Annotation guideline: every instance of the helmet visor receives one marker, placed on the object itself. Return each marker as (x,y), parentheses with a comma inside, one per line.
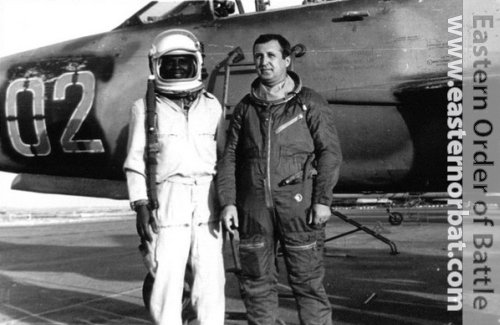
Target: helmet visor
(175,67)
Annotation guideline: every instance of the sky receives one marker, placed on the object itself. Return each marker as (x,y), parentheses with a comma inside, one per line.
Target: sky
(29,24)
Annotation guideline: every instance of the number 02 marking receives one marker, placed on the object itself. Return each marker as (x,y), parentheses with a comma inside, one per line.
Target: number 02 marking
(84,79)
(37,88)
(87,81)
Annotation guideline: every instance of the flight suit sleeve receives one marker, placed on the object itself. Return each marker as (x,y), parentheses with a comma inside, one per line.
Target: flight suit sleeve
(226,168)
(135,167)
(221,134)
(326,148)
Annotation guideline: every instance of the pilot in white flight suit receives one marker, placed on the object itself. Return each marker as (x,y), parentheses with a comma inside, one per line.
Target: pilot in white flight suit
(187,229)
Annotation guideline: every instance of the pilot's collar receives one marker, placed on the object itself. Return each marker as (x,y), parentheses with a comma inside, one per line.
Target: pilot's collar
(276,92)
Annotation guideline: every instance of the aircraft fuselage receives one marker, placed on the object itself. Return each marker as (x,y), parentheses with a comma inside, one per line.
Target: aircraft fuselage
(381,65)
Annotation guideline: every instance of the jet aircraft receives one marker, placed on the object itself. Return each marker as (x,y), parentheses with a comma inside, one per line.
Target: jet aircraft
(381,65)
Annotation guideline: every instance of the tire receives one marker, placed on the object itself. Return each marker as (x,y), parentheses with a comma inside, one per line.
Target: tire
(395,218)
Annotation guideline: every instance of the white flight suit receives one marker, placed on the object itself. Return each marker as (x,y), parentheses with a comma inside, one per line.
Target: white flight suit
(189,226)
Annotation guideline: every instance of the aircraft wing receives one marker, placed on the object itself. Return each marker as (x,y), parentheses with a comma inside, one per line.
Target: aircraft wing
(90,187)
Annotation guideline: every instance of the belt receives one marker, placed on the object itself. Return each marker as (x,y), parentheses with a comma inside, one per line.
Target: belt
(190,180)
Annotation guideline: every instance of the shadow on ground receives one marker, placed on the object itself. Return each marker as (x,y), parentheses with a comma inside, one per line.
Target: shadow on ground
(92,274)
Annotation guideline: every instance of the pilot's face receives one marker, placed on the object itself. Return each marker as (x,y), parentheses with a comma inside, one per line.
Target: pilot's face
(177,67)
(270,64)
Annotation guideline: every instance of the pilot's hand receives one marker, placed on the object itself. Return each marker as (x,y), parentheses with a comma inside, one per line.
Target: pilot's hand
(319,214)
(143,221)
(229,218)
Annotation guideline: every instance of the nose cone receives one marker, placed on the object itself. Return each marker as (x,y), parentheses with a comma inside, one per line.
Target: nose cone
(6,164)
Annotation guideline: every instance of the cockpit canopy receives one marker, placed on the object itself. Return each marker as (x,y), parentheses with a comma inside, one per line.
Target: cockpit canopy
(157,11)
(189,10)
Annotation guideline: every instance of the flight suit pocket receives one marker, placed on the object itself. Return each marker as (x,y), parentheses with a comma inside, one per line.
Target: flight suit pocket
(171,138)
(205,141)
(289,123)
(294,136)
(253,257)
(302,251)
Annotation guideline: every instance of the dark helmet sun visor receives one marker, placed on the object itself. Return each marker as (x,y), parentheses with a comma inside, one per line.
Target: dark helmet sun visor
(180,66)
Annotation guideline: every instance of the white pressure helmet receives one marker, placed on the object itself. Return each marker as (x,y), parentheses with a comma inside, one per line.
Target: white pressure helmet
(176,42)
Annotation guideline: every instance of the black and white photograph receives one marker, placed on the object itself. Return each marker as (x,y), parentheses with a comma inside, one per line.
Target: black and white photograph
(260,162)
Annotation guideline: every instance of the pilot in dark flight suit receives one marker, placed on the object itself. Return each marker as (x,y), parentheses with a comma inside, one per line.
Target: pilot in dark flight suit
(276,133)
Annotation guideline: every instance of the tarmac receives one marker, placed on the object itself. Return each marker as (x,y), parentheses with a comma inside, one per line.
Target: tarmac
(83,267)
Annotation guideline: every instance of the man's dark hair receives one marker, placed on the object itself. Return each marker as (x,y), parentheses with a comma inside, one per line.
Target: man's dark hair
(285,45)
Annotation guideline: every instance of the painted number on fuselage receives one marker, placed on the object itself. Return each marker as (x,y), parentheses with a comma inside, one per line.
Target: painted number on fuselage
(87,81)
(84,79)
(37,89)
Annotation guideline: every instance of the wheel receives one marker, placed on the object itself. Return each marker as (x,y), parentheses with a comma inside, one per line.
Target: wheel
(395,218)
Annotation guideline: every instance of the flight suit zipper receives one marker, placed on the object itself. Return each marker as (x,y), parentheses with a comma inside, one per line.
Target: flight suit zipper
(252,246)
(301,248)
(269,198)
(289,123)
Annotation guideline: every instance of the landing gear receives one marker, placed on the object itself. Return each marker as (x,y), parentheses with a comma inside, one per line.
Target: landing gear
(395,218)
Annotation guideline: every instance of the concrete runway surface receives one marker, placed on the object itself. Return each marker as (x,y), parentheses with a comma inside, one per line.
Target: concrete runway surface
(89,271)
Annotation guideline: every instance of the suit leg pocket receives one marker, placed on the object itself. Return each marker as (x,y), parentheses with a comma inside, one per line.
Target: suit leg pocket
(302,251)
(254,257)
